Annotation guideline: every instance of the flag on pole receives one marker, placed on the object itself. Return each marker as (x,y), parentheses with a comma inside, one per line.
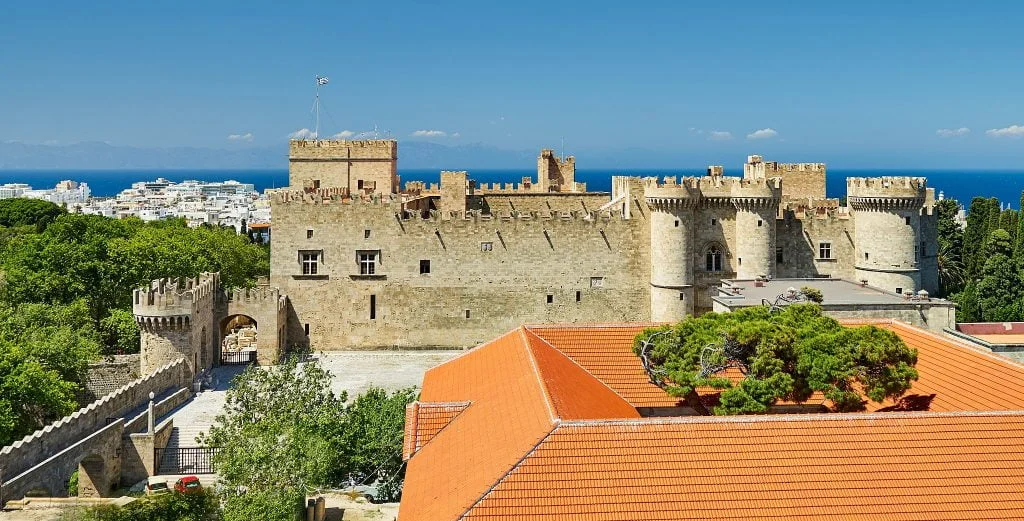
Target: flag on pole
(320,80)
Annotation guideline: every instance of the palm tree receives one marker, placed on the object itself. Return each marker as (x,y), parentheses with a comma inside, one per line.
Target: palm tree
(951,270)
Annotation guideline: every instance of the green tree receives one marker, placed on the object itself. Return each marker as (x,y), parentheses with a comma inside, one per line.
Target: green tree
(374,427)
(788,355)
(1000,288)
(968,303)
(1018,247)
(269,505)
(196,506)
(28,212)
(120,332)
(982,218)
(44,355)
(950,242)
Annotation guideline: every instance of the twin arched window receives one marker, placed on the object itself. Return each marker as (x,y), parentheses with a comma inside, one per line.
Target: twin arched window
(713,259)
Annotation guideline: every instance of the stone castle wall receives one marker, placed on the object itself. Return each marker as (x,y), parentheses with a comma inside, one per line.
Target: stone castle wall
(36,447)
(487,274)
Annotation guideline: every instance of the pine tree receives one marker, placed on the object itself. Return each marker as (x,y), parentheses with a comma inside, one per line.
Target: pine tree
(1018,247)
(979,219)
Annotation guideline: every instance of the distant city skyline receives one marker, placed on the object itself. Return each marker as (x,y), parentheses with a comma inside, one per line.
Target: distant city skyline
(871,84)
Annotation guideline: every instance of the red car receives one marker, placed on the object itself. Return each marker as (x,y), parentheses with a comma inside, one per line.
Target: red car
(188,485)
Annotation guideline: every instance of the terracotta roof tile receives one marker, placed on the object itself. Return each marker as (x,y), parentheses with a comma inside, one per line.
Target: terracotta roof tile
(516,450)
(879,466)
(606,352)
(423,420)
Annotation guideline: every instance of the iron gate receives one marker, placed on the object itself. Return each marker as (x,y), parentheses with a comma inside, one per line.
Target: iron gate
(186,460)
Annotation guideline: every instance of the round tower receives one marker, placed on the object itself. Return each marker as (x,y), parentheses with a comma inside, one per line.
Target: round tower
(887,223)
(672,207)
(164,314)
(757,203)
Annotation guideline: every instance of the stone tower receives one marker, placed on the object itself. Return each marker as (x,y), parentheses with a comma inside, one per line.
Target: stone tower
(361,166)
(757,203)
(176,320)
(555,174)
(672,206)
(887,222)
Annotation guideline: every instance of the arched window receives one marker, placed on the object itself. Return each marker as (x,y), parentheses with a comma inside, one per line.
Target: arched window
(713,259)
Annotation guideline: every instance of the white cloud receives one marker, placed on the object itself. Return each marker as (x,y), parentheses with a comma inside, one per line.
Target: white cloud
(241,137)
(344,134)
(719,135)
(456,134)
(953,132)
(429,133)
(1010,131)
(302,133)
(764,133)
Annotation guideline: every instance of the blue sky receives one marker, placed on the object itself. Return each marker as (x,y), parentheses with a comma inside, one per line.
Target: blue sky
(860,84)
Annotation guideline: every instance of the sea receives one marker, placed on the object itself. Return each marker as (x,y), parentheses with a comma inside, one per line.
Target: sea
(962,185)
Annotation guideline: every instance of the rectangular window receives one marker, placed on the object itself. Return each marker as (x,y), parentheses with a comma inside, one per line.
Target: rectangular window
(424,267)
(359,184)
(486,246)
(778,255)
(923,249)
(907,220)
(578,295)
(310,261)
(316,184)
(759,223)
(824,250)
(596,282)
(309,234)
(305,328)
(367,262)
(682,296)
(551,298)
(865,255)
(713,221)
(366,234)
(899,291)
(467,313)
(373,307)
(677,223)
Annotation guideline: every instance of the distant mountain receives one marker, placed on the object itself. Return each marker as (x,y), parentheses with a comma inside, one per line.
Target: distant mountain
(102,156)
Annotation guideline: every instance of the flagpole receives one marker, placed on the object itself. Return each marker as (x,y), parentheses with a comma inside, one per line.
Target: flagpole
(316,103)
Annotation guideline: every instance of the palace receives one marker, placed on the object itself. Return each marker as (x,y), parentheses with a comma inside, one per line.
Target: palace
(365,264)
(357,263)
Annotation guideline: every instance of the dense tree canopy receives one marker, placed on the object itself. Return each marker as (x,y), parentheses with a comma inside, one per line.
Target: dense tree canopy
(285,433)
(788,355)
(44,353)
(982,268)
(65,295)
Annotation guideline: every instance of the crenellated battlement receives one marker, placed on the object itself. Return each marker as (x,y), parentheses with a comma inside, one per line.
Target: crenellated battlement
(713,189)
(470,217)
(258,295)
(172,301)
(883,193)
(300,146)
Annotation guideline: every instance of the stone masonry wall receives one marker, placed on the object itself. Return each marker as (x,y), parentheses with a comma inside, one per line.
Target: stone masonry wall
(800,240)
(36,447)
(487,275)
(550,202)
(343,164)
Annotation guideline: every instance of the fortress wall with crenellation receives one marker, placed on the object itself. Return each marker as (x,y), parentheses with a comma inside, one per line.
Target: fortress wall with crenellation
(487,274)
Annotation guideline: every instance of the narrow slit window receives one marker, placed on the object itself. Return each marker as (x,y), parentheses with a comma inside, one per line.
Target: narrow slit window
(578,296)
(366,234)
(467,313)
(373,307)
(305,328)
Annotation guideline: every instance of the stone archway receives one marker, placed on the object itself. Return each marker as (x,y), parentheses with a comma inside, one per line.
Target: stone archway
(94,477)
(238,335)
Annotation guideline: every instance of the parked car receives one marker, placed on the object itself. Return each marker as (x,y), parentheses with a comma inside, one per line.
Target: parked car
(188,485)
(156,485)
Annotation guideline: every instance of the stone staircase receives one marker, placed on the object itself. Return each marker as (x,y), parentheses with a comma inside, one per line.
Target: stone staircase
(192,459)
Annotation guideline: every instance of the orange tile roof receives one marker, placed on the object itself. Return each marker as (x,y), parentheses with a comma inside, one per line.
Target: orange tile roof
(544,437)
(424,420)
(607,353)
(836,467)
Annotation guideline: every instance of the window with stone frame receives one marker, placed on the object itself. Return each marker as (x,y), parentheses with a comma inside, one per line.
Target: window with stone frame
(367,260)
(713,259)
(824,250)
(309,261)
